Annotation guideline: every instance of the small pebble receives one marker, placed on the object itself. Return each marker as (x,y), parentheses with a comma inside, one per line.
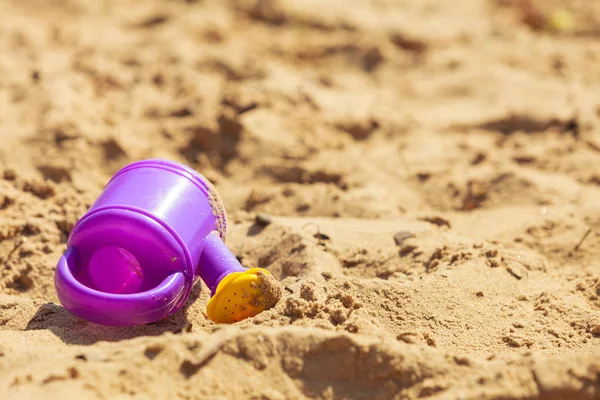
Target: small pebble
(263,220)
(327,275)
(10,175)
(401,236)
(321,236)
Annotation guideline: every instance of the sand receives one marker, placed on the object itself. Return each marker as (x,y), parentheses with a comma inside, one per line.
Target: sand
(429,169)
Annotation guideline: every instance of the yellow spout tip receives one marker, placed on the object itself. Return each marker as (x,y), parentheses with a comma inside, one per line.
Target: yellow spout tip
(241,295)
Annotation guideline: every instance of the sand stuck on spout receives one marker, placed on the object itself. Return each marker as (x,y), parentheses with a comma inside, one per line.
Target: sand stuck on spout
(270,292)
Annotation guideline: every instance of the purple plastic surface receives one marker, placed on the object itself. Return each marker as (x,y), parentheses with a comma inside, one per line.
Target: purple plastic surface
(220,259)
(132,258)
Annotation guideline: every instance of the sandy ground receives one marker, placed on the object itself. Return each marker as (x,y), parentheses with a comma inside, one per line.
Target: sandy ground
(430,167)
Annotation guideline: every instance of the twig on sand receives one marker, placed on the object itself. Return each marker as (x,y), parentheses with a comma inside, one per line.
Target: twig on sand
(585,235)
(321,237)
(190,367)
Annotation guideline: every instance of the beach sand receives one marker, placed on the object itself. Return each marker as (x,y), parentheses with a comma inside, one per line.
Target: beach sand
(430,169)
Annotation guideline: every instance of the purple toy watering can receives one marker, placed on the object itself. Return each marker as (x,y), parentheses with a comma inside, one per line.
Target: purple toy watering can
(133,257)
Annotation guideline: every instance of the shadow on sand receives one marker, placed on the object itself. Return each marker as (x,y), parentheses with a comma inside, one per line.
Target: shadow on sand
(73,330)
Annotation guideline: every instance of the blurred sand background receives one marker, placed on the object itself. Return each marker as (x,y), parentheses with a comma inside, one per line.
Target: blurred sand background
(429,168)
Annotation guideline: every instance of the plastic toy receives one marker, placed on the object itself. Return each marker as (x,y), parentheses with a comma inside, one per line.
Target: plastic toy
(133,257)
